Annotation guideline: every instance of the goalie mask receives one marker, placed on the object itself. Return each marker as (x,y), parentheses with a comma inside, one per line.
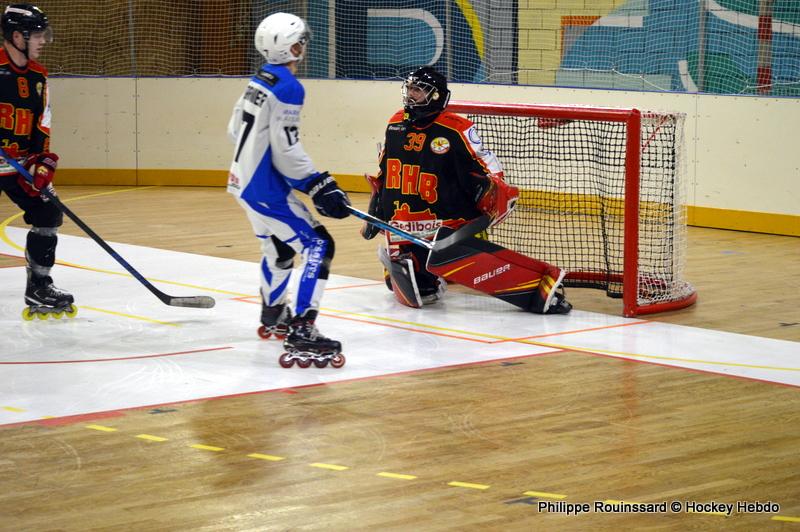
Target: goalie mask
(425,95)
(277,34)
(26,19)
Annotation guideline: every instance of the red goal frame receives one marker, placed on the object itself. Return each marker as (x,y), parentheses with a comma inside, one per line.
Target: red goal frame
(632,118)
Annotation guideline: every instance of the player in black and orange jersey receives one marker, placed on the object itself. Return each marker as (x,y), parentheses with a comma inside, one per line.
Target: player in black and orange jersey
(436,173)
(25,135)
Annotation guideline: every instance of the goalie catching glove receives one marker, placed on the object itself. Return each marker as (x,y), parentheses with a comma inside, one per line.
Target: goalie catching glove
(328,198)
(42,167)
(498,198)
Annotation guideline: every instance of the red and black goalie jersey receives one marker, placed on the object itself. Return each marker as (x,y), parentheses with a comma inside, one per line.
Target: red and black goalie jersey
(434,175)
(24,110)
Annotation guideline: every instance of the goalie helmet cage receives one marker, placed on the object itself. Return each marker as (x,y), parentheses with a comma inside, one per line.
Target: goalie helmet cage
(601,196)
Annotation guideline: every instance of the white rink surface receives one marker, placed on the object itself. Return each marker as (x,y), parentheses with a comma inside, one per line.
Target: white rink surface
(126,349)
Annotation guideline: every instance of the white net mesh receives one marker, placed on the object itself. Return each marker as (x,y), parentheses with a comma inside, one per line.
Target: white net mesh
(573,205)
(717,46)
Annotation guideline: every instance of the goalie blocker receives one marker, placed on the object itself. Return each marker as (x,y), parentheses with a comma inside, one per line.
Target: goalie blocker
(529,284)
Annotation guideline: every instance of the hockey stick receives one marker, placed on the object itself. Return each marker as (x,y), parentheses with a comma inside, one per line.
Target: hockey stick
(468,230)
(193,301)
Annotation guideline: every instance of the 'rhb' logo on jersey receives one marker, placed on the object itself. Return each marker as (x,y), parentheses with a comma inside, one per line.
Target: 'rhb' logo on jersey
(18,120)
(411,181)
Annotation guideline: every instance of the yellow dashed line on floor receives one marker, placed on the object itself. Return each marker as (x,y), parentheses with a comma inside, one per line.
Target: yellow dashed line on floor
(13,409)
(721,514)
(468,485)
(332,467)
(384,474)
(785,518)
(150,437)
(398,476)
(544,495)
(101,428)
(267,457)
(207,447)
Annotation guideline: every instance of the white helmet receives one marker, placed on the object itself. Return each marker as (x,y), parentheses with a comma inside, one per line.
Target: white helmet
(276,35)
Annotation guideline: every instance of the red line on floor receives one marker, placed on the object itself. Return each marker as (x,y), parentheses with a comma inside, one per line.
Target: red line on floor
(79,418)
(138,357)
(246,299)
(422,331)
(75,418)
(563,333)
(684,368)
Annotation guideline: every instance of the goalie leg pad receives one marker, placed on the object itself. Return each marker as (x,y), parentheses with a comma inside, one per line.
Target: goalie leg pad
(402,278)
(502,273)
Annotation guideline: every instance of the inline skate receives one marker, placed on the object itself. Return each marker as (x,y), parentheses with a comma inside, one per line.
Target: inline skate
(305,346)
(274,321)
(45,300)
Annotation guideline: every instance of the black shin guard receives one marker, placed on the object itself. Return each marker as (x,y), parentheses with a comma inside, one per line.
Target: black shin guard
(40,250)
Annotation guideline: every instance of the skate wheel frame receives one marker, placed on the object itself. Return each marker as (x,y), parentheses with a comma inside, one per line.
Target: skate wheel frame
(287,360)
(31,313)
(264,333)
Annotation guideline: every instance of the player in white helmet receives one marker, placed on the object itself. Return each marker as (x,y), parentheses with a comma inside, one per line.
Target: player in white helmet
(269,164)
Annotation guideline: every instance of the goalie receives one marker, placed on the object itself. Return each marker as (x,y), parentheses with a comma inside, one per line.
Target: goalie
(436,175)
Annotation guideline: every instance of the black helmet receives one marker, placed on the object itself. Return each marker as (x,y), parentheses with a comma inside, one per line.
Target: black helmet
(24,18)
(434,86)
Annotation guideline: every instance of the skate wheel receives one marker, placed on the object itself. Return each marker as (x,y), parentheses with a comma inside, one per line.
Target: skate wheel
(264,333)
(27,315)
(338,361)
(42,315)
(304,362)
(58,315)
(321,363)
(285,361)
(71,311)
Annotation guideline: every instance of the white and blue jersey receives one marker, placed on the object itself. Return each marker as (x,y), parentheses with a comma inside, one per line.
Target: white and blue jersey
(269,162)
(269,159)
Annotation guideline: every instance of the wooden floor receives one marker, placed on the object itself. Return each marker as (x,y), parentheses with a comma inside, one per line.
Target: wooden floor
(584,427)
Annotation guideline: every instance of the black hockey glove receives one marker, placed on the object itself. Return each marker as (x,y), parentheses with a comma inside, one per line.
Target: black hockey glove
(328,198)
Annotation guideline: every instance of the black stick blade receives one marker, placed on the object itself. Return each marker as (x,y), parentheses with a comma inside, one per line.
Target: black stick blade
(193,302)
(462,233)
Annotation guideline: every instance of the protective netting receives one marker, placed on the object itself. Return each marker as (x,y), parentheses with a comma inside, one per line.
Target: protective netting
(573,205)
(152,38)
(715,46)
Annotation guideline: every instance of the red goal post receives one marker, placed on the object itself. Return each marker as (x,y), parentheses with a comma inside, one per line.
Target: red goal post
(601,196)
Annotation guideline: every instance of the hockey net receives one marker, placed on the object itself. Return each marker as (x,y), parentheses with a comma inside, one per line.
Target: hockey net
(601,196)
